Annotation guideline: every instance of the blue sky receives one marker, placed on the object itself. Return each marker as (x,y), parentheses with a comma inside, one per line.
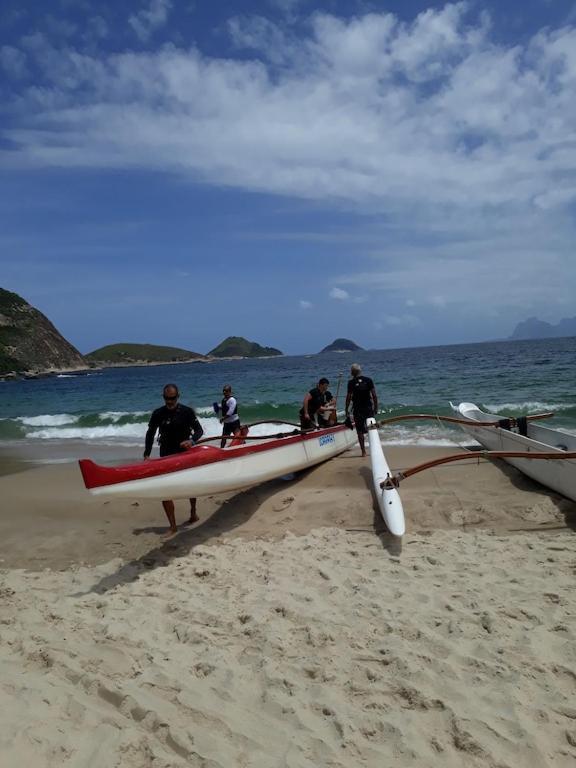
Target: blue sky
(398,173)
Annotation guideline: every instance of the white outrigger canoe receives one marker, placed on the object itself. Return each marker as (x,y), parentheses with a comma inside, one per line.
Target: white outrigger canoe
(205,469)
(389,501)
(558,472)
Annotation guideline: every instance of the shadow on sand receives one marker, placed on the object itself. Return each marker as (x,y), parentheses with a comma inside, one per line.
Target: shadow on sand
(232,513)
(566,507)
(392,544)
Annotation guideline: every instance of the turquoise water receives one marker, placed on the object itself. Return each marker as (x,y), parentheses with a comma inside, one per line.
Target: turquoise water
(112,406)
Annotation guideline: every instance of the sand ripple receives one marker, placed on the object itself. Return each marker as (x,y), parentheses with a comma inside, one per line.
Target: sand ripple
(321,650)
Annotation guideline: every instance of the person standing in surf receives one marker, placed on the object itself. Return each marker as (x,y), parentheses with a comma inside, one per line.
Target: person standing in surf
(362,396)
(178,429)
(230,420)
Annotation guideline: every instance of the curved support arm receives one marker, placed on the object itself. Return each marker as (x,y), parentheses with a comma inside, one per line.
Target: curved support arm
(394,480)
(455,420)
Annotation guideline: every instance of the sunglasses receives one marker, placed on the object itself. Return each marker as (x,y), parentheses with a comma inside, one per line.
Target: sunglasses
(170,398)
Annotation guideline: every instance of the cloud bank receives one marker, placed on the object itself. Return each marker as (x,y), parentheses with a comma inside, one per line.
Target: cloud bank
(369,111)
(464,147)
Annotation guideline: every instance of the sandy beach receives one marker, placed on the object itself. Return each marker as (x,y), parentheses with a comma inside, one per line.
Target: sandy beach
(286,628)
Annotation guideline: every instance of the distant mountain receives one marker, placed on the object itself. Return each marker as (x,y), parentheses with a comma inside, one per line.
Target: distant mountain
(132,354)
(29,343)
(342,345)
(539,329)
(236,346)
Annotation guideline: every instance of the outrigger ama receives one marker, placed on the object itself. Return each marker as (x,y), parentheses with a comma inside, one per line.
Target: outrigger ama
(543,454)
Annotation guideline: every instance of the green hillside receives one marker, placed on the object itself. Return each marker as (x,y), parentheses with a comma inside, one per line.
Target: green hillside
(29,342)
(236,346)
(129,354)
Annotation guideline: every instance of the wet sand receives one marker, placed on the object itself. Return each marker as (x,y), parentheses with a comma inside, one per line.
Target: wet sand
(48,519)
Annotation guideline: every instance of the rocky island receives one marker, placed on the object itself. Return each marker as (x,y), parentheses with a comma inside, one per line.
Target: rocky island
(141,354)
(236,346)
(29,342)
(533,328)
(342,345)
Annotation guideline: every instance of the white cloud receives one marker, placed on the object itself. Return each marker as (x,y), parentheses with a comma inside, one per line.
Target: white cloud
(340,294)
(149,19)
(465,144)
(396,321)
(305,304)
(97,27)
(13,61)
(286,6)
(371,112)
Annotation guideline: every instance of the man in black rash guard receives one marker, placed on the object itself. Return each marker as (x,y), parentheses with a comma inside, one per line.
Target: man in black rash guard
(362,395)
(314,404)
(179,429)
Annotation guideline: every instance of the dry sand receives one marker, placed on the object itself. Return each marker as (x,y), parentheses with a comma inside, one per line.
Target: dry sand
(282,630)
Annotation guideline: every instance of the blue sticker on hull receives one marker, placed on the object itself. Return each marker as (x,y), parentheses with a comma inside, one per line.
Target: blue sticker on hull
(326,440)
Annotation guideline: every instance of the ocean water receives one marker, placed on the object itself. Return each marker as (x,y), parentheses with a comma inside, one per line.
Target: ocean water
(111,407)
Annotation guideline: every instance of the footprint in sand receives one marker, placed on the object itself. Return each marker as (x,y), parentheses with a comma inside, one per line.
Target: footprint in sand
(284,504)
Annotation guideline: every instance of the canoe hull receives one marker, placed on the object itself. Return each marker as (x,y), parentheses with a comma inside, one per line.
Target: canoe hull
(206,470)
(389,501)
(558,475)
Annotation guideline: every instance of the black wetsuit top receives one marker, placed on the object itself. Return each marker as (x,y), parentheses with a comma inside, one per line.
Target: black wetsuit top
(314,404)
(360,388)
(175,425)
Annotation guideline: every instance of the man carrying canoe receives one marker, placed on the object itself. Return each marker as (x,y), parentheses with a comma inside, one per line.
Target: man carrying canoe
(362,396)
(179,429)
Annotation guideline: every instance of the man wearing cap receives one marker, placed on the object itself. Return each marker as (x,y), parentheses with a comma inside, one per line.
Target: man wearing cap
(362,396)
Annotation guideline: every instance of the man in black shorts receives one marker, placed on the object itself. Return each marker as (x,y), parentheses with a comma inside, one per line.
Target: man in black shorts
(362,395)
(179,429)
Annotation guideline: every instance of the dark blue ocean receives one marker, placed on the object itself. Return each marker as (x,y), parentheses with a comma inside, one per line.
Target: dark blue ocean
(112,406)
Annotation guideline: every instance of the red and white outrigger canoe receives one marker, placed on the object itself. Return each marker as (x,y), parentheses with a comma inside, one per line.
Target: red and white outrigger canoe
(205,469)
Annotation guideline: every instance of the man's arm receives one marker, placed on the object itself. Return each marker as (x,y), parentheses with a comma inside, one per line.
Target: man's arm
(307,399)
(196,430)
(149,440)
(374,400)
(196,427)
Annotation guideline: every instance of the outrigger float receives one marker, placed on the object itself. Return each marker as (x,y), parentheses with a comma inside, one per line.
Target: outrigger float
(543,454)
(387,496)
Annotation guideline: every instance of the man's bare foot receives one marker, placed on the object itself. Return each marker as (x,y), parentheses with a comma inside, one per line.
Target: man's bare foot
(169,533)
(192,519)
